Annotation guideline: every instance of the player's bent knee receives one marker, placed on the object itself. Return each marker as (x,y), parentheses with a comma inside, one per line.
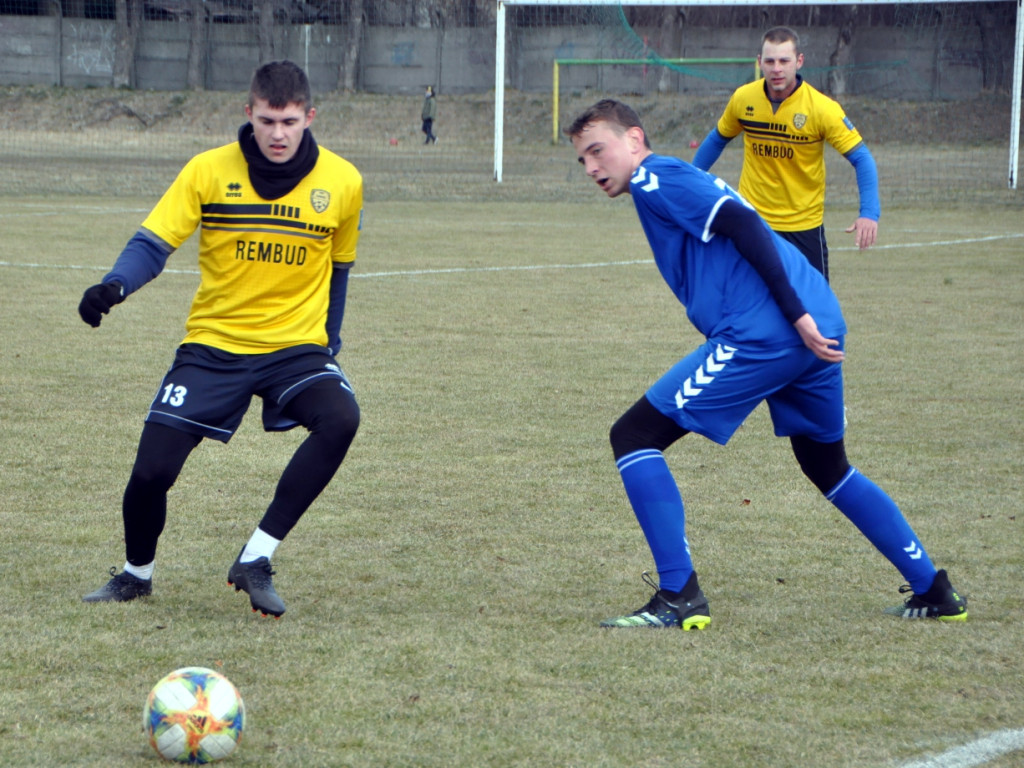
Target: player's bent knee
(824,464)
(338,425)
(332,415)
(643,426)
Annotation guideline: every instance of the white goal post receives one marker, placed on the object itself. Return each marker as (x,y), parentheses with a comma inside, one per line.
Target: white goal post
(500,70)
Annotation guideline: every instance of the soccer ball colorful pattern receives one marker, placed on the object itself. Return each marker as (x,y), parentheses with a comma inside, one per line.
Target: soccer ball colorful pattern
(194,715)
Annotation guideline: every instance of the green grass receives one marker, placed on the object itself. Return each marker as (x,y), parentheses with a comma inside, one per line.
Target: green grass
(444,592)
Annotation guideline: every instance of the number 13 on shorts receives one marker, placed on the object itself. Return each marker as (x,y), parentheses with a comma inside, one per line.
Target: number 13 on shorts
(174,395)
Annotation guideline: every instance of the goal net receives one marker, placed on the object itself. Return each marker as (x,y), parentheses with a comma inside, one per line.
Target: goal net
(934,88)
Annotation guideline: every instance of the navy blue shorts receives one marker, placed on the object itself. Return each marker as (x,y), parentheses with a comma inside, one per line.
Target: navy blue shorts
(811,243)
(207,390)
(712,390)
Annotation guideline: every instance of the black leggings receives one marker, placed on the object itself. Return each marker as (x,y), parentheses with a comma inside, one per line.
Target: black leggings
(328,411)
(644,426)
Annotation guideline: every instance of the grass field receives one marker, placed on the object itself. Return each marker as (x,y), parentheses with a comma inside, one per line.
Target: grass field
(443,594)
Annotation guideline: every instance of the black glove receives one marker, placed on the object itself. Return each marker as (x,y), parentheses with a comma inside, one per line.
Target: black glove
(97,301)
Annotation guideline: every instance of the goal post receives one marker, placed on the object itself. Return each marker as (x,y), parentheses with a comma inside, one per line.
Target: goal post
(559,63)
(1018,86)
(939,37)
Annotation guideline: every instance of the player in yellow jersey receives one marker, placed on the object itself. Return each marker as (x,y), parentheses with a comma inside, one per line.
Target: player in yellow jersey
(278,219)
(785,124)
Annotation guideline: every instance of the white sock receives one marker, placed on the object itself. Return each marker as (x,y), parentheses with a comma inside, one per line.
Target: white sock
(260,545)
(144,572)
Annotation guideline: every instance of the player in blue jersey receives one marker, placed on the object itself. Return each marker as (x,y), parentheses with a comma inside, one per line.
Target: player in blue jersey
(774,332)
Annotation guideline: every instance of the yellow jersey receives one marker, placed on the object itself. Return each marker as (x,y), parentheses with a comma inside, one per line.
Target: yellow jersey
(265,266)
(783,173)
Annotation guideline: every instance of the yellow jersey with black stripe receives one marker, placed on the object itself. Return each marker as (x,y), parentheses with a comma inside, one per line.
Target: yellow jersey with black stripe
(783,173)
(265,266)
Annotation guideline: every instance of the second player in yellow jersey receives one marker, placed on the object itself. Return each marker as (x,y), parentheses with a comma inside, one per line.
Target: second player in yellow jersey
(785,125)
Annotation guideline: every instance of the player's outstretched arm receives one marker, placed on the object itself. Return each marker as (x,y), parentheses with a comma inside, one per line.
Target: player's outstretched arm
(865,232)
(142,259)
(97,301)
(865,228)
(825,349)
(710,149)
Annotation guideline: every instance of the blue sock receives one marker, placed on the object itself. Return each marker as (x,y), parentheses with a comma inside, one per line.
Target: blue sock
(658,507)
(880,520)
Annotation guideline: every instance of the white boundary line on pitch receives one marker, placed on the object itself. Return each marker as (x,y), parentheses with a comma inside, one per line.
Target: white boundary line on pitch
(974,753)
(531,267)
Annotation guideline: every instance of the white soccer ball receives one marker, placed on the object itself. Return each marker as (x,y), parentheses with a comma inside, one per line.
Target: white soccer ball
(194,715)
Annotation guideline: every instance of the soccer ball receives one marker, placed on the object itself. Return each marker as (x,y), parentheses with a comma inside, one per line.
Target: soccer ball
(194,715)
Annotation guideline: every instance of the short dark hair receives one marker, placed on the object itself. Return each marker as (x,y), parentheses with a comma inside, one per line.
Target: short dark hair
(618,115)
(281,83)
(778,35)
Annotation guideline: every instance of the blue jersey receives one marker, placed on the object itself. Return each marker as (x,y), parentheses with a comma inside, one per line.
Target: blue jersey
(724,296)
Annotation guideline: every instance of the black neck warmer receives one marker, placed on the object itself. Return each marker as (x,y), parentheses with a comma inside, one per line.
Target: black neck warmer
(274,180)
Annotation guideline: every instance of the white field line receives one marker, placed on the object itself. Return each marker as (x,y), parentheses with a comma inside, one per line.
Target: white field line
(534,267)
(974,753)
(47,210)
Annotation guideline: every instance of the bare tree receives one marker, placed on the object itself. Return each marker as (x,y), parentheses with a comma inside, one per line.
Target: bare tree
(669,42)
(840,57)
(993,58)
(483,12)
(353,45)
(422,10)
(265,30)
(196,46)
(128,22)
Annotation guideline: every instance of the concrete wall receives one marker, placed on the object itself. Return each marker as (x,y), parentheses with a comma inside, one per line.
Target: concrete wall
(80,53)
(46,50)
(30,50)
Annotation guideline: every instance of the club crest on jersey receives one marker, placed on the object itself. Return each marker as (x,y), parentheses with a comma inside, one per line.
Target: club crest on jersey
(319,199)
(799,120)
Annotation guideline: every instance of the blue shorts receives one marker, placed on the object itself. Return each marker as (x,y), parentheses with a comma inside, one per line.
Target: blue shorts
(207,390)
(712,390)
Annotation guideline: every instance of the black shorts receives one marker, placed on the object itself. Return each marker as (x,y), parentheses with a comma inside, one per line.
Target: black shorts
(811,243)
(207,391)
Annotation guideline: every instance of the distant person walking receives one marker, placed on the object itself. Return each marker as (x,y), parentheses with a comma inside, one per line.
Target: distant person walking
(428,115)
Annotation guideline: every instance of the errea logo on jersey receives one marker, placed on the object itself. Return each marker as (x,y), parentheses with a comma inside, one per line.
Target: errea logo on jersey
(234,190)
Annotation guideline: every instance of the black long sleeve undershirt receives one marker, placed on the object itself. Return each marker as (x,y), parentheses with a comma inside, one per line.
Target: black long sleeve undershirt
(753,240)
